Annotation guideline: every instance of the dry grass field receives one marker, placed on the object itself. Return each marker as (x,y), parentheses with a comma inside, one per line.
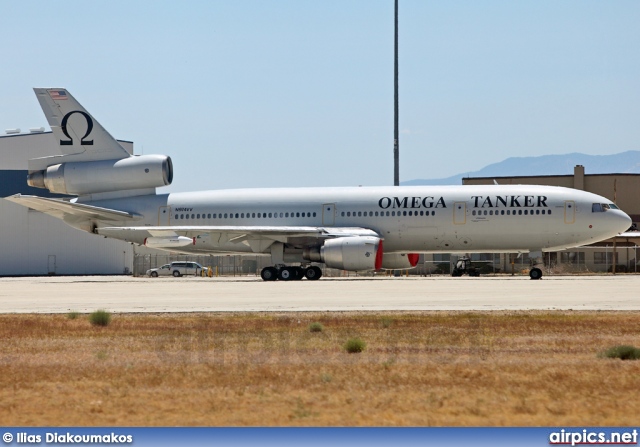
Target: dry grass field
(418,369)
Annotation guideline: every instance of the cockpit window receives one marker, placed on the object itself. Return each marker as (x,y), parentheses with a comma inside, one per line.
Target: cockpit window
(602,207)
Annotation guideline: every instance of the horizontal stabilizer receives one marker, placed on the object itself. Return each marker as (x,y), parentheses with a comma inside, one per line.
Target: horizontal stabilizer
(62,208)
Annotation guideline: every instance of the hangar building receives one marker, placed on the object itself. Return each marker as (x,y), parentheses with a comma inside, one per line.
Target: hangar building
(33,243)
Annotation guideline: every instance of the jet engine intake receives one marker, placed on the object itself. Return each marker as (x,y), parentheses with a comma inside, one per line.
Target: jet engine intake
(90,177)
(348,253)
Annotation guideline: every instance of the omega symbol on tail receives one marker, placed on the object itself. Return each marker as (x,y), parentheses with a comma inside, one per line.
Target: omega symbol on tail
(69,142)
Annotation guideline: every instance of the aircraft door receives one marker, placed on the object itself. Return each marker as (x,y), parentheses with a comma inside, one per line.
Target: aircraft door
(329,214)
(164,216)
(569,212)
(459,213)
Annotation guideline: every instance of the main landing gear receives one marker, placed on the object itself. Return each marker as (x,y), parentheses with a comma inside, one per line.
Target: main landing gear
(287,273)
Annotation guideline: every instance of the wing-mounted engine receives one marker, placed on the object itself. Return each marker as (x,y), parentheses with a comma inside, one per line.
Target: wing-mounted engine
(348,253)
(400,261)
(91,177)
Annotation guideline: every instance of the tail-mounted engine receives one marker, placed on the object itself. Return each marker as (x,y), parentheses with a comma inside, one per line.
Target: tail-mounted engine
(91,177)
(348,253)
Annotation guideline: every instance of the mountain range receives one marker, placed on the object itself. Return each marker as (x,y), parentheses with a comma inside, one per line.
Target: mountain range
(622,163)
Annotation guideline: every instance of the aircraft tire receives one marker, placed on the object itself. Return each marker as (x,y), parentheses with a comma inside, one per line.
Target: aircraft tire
(287,274)
(535,273)
(298,273)
(269,274)
(313,273)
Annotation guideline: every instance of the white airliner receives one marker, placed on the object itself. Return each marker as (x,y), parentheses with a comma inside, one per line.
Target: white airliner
(351,228)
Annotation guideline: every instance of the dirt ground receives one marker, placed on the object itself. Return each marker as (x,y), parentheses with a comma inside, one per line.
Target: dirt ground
(265,369)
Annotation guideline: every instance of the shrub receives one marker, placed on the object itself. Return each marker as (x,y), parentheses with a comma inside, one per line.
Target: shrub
(622,352)
(100,318)
(354,345)
(73,315)
(316,327)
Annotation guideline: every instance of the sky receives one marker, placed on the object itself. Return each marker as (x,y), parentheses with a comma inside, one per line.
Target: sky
(299,93)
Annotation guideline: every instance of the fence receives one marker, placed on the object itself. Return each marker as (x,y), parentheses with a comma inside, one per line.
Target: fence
(625,259)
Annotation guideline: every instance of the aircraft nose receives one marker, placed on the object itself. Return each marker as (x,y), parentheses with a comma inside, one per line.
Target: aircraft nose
(624,221)
(617,221)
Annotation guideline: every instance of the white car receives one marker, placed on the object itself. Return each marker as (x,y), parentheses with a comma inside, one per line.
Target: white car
(177,269)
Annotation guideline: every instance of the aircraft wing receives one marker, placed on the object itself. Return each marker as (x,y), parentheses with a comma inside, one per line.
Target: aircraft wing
(259,238)
(63,208)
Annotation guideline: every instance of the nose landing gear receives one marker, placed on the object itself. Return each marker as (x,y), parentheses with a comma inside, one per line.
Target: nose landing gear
(535,273)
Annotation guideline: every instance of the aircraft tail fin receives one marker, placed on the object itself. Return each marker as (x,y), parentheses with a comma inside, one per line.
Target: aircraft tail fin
(80,135)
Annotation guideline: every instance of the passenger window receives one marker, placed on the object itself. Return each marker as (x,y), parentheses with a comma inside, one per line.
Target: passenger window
(176,216)
(520,212)
(549,212)
(225,215)
(314,214)
(187,216)
(404,213)
(526,212)
(502,212)
(537,212)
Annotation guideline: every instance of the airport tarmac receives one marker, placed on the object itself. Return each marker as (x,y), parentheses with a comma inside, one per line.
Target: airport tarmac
(240,294)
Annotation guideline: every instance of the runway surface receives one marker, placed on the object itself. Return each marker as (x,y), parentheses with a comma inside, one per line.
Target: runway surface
(128,294)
